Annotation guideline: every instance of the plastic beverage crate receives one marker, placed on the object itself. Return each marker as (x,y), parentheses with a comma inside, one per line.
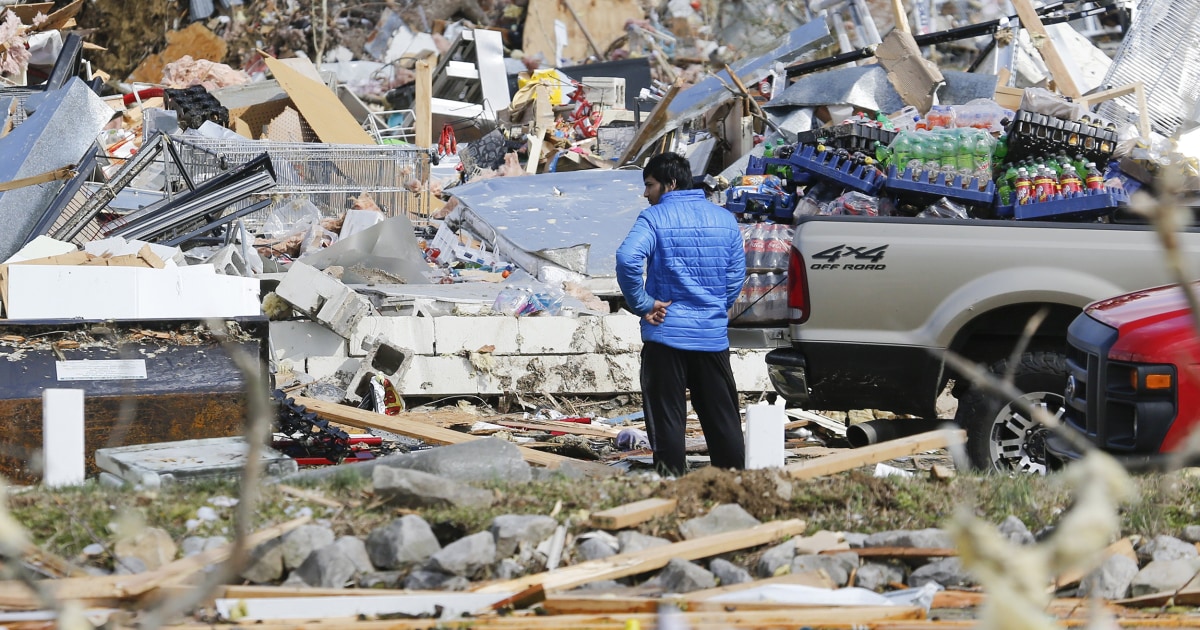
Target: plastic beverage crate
(826,164)
(1086,204)
(1032,134)
(940,184)
(850,136)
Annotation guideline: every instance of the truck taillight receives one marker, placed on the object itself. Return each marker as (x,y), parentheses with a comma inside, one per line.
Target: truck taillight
(797,289)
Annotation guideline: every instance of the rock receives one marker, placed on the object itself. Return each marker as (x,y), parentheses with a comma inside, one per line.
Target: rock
(632,541)
(405,542)
(508,569)
(599,585)
(425,580)
(773,559)
(327,567)
(456,583)
(1163,575)
(1110,580)
(356,550)
(565,470)
(876,576)
(837,566)
(294,581)
(1166,548)
(152,545)
(478,460)
(1191,533)
(948,572)
(193,545)
(381,579)
(302,541)
(415,489)
(931,538)
(594,548)
(509,530)
(681,576)
(726,517)
(855,539)
(728,573)
(266,563)
(467,556)
(1015,531)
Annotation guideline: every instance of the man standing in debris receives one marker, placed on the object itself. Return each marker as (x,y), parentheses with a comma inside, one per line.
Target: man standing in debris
(691,253)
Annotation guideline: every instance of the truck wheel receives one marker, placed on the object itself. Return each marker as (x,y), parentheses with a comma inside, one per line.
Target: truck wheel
(1001,436)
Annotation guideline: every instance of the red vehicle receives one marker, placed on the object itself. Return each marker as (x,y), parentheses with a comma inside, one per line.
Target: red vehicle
(1133,384)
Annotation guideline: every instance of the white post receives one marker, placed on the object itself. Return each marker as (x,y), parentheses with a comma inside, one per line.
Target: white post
(62,437)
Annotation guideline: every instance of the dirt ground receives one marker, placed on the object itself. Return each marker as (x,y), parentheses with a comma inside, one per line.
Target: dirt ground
(765,494)
(129,29)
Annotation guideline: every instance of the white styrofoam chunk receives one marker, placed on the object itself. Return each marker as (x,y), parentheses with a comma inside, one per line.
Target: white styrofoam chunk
(118,246)
(414,333)
(63,437)
(41,247)
(128,293)
(453,335)
(300,340)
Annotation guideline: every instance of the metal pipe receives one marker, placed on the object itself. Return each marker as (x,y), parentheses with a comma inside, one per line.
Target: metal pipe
(875,431)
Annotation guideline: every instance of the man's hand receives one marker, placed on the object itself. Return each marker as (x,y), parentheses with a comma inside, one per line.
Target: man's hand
(657,314)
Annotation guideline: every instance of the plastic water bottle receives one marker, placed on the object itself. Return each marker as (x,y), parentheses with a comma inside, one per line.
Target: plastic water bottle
(1070,182)
(777,250)
(755,247)
(755,305)
(902,151)
(948,152)
(966,152)
(1094,179)
(1023,187)
(983,157)
(739,305)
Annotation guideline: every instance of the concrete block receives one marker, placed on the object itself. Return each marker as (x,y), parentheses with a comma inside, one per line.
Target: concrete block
(154,465)
(750,370)
(299,340)
(560,335)
(622,332)
(329,367)
(454,335)
(390,361)
(323,298)
(400,331)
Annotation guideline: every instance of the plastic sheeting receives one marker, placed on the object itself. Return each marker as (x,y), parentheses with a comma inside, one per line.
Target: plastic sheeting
(574,221)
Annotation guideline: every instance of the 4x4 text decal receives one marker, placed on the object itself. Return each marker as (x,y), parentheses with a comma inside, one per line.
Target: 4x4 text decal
(852,258)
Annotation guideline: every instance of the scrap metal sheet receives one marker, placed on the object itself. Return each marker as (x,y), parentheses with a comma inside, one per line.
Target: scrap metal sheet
(712,91)
(575,220)
(867,87)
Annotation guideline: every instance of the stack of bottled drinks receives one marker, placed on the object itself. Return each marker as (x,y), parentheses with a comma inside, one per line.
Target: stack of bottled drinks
(764,294)
(953,152)
(1035,180)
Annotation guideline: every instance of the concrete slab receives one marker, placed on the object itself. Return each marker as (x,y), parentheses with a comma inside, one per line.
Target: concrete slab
(455,335)
(560,335)
(329,367)
(154,465)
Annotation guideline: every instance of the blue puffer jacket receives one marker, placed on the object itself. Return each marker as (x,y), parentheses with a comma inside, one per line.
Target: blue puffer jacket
(691,251)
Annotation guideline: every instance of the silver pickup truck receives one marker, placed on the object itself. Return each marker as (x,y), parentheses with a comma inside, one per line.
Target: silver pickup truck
(875,303)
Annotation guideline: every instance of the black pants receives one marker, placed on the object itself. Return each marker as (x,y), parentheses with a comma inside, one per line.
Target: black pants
(666,374)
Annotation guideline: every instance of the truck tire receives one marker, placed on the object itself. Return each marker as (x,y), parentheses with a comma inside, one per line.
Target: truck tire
(1000,436)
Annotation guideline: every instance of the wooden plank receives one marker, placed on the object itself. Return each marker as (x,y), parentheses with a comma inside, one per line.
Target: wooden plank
(609,605)
(572,428)
(308,495)
(650,127)
(818,579)
(626,564)
(400,425)
(15,595)
(632,514)
(605,21)
(423,104)
(899,552)
(1041,40)
(1008,97)
(881,452)
(901,16)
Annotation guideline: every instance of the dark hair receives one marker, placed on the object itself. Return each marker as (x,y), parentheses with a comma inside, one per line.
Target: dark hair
(670,168)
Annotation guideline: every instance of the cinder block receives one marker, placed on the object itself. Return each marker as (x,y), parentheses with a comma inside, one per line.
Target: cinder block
(390,361)
(622,332)
(401,331)
(454,335)
(560,335)
(323,298)
(299,340)
(329,367)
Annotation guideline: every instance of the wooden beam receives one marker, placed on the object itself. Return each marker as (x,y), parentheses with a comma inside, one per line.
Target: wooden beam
(881,452)
(572,428)
(575,16)
(649,128)
(1137,88)
(400,425)
(1041,40)
(649,559)
(632,514)
(423,104)
(901,16)
(817,579)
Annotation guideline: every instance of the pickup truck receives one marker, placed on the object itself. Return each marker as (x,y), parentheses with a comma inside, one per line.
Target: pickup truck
(1132,388)
(875,303)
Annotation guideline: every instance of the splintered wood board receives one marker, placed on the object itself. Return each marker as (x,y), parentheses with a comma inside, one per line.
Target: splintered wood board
(881,452)
(632,514)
